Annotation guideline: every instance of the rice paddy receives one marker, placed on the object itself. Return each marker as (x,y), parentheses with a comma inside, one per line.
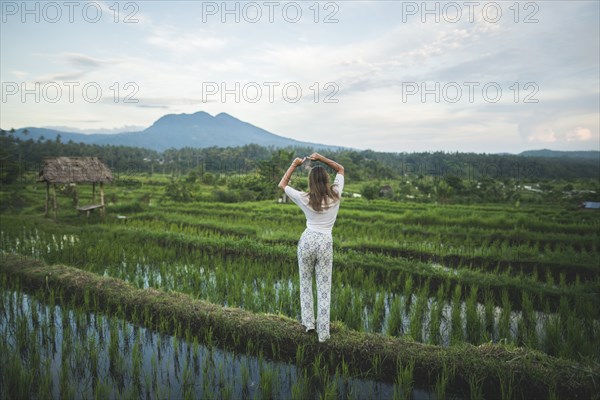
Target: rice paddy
(494,277)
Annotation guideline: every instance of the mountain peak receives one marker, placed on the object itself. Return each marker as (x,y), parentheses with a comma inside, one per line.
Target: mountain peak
(179,119)
(224,115)
(199,129)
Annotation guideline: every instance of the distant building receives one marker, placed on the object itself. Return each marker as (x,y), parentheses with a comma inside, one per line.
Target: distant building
(385,191)
(526,187)
(590,205)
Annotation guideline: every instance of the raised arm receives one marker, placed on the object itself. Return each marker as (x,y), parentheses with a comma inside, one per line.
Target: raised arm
(337,167)
(288,174)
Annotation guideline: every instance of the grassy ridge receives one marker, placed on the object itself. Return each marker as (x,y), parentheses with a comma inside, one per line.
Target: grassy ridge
(524,372)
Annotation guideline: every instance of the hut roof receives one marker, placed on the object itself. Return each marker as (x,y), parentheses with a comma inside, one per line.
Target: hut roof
(74,170)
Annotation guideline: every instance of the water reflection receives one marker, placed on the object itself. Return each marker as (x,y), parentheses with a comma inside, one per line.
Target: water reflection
(83,355)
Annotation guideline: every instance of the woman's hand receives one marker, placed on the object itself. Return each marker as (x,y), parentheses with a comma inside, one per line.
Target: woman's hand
(298,161)
(286,177)
(337,167)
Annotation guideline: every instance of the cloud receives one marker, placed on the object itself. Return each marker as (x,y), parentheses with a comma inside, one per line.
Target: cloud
(542,133)
(171,40)
(538,127)
(556,128)
(64,77)
(124,128)
(82,63)
(151,106)
(579,134)
(21,75)
(85,61)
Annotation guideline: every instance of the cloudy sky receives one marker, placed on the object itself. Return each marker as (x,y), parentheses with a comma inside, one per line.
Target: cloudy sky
(385,75)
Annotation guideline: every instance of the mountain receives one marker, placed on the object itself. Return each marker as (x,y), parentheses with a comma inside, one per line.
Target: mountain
(181,130)
(589,154)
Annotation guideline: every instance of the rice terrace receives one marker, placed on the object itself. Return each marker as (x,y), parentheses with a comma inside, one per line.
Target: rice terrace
(185,286)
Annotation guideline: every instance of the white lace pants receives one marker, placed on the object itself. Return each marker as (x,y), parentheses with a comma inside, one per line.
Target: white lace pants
(315,253)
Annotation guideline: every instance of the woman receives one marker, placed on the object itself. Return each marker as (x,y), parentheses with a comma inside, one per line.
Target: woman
(315,248)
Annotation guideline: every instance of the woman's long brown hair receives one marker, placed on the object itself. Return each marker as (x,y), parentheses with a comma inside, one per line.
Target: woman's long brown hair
(319,189)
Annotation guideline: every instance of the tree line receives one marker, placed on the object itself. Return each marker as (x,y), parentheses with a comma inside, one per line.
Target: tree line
(434,173)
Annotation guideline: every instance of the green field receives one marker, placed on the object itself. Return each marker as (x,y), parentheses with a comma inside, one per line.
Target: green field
(447,275)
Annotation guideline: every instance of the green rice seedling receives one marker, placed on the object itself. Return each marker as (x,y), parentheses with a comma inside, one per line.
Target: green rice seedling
(394,325)
(176,348)
(549,279)
(207,375)
(475,387)
(342,309)
(456,317)
(435,321)
(35,317)
(18,379)
(226,392)
(250,346)
(147,384)
(113,344)
(408,292)
(330,390)
(553,334)
(275,351)
(562,279)
(441,382)
(318,367)
(473,322)
(154,365)
(301,387)
(136,355)
(505,317)
(245,375)
(575,340)
(345,367)
(64,379)
(376,365)
(529,321)
(356,315)
(378,313)
(45,383)
(404,380)
(266,383)
(552,395)
(79,364)
(300,354)
(101,389)
(208,337)
(417,314)
(507,380)
(489,314)
(187,381)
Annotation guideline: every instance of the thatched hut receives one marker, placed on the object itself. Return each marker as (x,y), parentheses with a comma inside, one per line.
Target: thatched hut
(73,170)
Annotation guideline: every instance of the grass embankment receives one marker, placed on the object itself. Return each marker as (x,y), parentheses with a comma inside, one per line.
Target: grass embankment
(498,371)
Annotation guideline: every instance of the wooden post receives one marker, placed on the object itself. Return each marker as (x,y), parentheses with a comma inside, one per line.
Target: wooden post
(47,199)
(54,206)
(102,198)
(93,192)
